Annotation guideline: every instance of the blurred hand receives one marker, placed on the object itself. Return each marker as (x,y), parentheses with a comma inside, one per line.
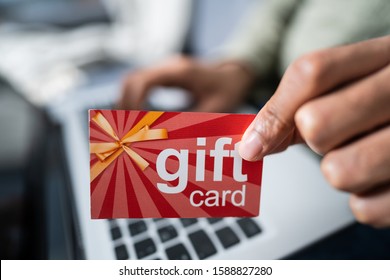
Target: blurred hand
(216,88)
(338,102)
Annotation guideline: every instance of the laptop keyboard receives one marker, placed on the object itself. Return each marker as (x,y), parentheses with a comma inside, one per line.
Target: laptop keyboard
(175,238)
(178,239)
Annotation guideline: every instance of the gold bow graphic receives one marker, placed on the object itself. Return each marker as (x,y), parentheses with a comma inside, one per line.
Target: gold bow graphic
(108,152)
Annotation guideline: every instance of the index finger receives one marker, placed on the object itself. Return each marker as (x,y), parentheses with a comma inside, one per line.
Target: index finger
(310,76)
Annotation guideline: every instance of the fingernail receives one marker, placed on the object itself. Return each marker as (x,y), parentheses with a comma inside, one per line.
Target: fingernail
(250,146)
(359,208)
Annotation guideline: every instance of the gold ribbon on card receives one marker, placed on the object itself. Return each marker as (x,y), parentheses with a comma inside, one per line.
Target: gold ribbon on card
(108,152)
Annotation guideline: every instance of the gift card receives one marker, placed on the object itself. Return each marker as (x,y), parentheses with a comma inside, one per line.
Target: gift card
(170,164)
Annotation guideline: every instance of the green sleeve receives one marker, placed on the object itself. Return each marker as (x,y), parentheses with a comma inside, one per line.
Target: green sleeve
(257,41)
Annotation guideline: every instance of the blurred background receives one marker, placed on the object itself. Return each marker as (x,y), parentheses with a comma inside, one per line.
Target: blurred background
(49,50)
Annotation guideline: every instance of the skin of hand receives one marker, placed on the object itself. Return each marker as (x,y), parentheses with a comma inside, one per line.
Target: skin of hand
(215,87)
(337,101)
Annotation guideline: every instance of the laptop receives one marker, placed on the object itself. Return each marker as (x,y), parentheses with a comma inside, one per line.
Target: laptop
(298,207)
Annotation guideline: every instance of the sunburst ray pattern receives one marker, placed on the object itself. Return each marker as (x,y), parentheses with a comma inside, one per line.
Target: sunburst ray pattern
(124,149)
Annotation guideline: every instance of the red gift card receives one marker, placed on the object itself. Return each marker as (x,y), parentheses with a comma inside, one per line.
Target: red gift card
(170,164)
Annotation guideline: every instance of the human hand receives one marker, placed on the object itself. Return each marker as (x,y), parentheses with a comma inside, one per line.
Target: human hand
(338,102)
(215,87)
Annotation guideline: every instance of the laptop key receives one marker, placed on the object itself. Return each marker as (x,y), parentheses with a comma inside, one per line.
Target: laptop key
(115,233)
(202,244)
(213,220)
(121,252)
(186,222)
(137,228)
(145,248)
(249,227)
(227,237)
(178,252)
(167,233)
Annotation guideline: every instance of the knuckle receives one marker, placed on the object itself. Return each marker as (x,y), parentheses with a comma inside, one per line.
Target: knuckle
(310,68)
(335,173)
(311,125)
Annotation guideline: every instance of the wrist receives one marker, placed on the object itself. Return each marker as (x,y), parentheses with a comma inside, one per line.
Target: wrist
(238,71)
